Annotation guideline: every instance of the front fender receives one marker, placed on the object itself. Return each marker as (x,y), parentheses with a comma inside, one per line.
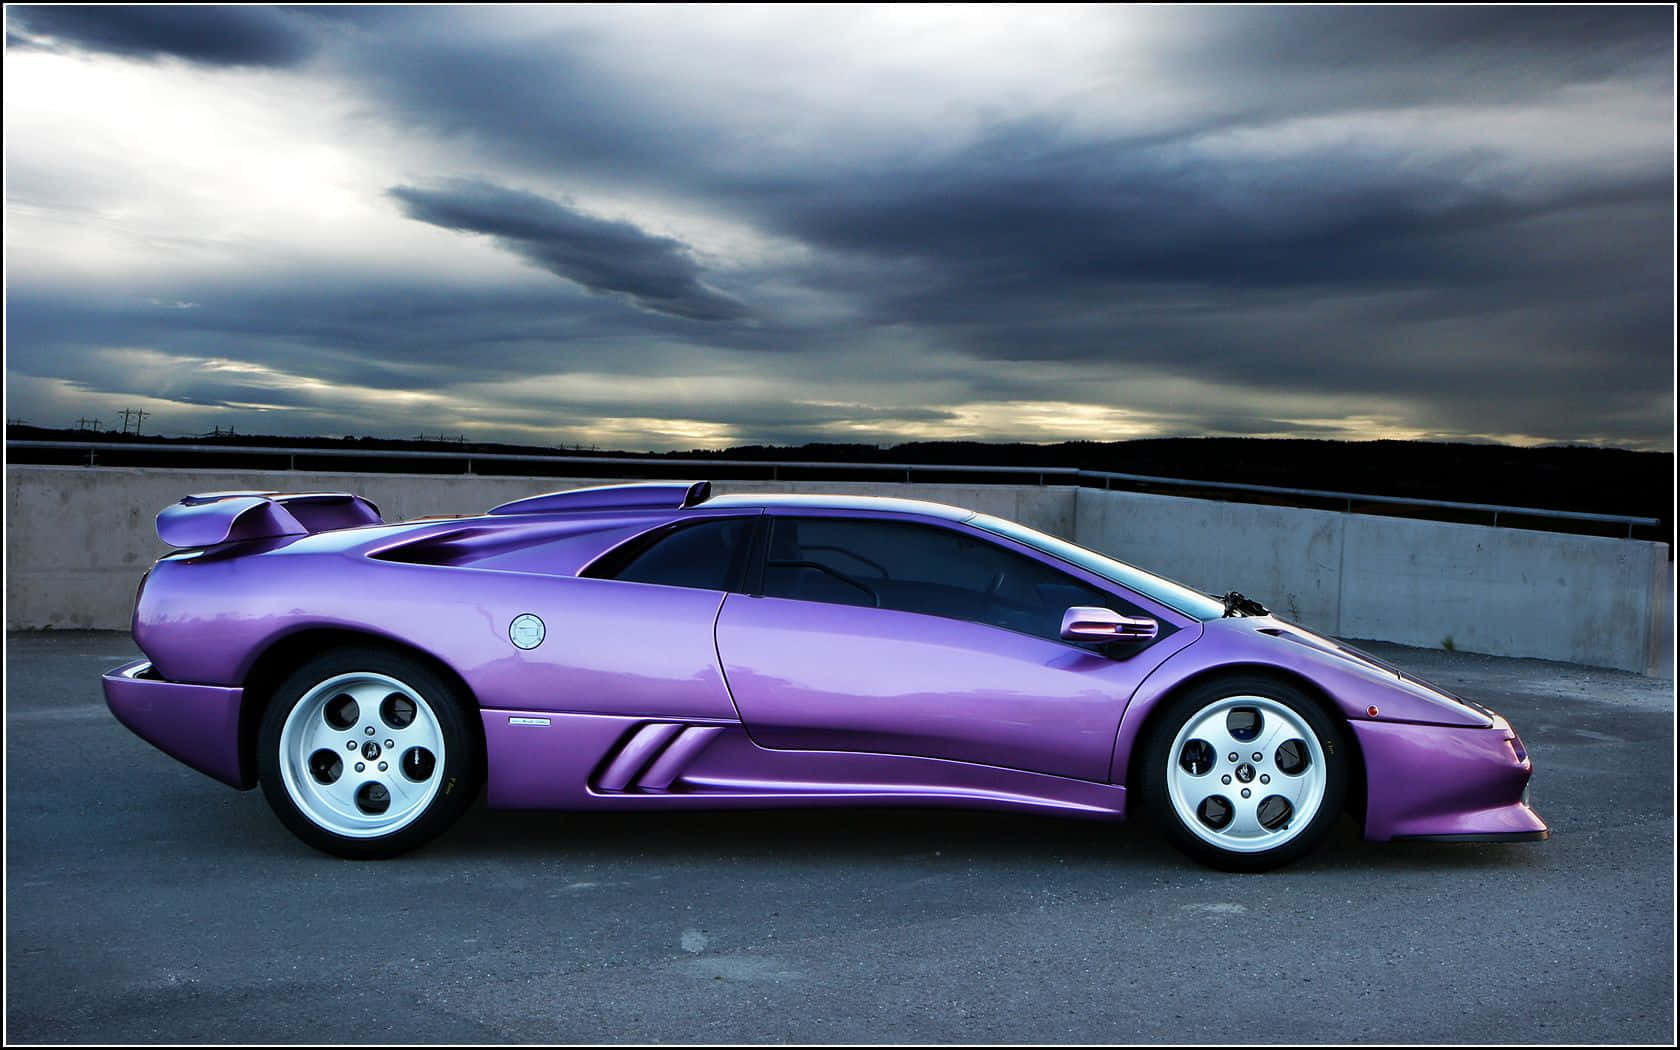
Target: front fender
(1244,644)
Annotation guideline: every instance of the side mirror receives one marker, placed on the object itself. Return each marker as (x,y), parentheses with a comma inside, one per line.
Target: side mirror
(1088,623)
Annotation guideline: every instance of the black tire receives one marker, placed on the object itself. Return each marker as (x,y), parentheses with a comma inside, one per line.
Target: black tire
(1169,773)
(339,816)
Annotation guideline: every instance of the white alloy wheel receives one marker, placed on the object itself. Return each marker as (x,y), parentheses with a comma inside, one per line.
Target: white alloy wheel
(362,754)
(1244,772)
(365,752)
(1247,774)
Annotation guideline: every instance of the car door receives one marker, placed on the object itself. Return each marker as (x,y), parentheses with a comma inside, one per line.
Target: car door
(896,636)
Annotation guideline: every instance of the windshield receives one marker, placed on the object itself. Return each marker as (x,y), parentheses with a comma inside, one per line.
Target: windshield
(1173,595)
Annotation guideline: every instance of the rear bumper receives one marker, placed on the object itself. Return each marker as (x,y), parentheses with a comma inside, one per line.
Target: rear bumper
(1446,783)
(197,724)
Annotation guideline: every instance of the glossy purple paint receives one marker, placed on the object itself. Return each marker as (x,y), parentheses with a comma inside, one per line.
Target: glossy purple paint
(197,724)
(643,696)
(550,547)
(227,517)
(843,678)
(551,766)
(1253,643)
(653,495)
(1464,782)
(610,647)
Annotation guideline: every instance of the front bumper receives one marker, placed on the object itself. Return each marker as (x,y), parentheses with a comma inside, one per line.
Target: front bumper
(1447,783)
(198,724)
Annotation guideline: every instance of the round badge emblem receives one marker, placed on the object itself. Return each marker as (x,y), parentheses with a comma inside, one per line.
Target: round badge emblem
(526,631)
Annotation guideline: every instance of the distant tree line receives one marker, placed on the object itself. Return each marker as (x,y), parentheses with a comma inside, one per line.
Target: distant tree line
(1594,480)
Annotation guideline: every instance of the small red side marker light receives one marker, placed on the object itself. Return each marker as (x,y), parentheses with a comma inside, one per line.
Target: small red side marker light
(1372,710)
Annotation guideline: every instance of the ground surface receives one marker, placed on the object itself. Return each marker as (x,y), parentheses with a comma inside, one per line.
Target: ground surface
(146,903)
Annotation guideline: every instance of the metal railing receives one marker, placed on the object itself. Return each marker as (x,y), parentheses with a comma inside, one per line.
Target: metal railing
(1043,475)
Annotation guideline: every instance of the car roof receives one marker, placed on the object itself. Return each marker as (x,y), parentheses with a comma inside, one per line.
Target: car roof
(790,501)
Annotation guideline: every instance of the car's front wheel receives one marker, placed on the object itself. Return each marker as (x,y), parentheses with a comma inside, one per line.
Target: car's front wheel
(1245,774)
(367,753)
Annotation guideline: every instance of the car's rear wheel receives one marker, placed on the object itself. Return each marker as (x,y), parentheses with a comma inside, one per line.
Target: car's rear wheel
(1245,774)
(367,753)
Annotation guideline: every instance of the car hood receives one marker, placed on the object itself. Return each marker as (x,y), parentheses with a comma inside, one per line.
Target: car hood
(1405,681)
(1278,628)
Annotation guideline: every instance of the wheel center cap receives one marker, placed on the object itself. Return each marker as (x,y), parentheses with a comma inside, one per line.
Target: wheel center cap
(1245,772)
(370,751)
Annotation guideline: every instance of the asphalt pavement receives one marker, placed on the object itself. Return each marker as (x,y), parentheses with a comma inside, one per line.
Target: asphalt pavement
(147,903)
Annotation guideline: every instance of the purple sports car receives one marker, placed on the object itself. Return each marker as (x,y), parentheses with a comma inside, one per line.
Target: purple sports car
(649,646)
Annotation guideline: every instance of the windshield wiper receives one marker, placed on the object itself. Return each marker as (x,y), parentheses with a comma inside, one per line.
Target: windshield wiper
(1238,605)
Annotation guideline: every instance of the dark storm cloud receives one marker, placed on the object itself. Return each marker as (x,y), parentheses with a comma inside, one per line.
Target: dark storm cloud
(1437,49)
(207,35)
(499,373)
(1333,274)
(1028,223)
(1018,210)
(331,327)
(568,98)
(657,273)
(341,329)
(1440,209)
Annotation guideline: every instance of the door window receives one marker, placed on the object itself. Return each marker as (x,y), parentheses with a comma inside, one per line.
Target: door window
(922,569)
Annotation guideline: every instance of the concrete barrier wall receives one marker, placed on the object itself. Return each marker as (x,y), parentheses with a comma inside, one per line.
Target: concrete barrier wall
(78,539)
(1287,558)
(1507,592)
(1583,599)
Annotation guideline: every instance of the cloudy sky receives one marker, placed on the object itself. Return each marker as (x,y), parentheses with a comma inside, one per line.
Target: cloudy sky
(659,228)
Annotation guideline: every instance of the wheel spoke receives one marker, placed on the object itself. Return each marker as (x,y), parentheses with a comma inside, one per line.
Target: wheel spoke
(1296,789)
(341,793)
(322,736)
(1245,822)
(422,733)
(1275,732)
(1212,729)
(404,792)
(368,694)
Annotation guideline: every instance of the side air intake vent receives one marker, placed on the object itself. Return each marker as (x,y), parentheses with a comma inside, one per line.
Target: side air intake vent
(649,495)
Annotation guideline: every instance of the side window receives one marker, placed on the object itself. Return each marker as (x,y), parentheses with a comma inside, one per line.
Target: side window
(922,569)
(710,555)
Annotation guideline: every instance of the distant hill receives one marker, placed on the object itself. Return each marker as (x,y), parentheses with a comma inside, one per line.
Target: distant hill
(1609,481)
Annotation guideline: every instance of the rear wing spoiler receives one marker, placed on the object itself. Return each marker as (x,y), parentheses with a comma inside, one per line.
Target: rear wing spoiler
(228,517)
